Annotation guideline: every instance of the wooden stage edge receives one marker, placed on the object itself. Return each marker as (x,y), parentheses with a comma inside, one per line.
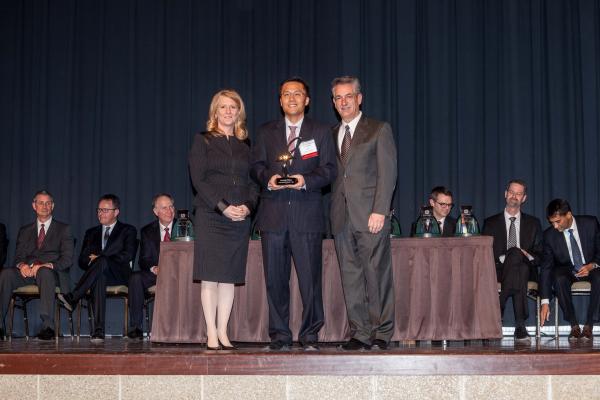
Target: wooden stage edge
(122,357)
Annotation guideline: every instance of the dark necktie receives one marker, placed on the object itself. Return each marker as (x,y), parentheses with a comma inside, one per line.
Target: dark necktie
(167,237)
(291,141)
(105,238)
(345,145)
(441,224)
(577,259)
(41,236)
(512,234)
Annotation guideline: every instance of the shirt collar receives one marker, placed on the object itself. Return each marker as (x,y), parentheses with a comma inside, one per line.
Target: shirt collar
(507,216)
(109,226)
(352,124)
(46,224)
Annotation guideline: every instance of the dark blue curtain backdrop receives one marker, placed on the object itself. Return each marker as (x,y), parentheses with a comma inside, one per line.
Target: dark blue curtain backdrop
(105,96)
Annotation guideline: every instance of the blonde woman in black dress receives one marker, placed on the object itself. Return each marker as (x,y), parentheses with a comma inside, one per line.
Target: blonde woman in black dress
(219,163)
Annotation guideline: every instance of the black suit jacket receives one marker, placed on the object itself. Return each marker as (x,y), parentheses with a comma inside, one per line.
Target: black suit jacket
(556,252)
(300,210)
(3,245)
(150,245)
(120,249)
(530,236)
(56,249)
(449,227)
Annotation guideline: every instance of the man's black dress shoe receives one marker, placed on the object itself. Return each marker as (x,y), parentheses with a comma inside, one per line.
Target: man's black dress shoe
(310,346)
(97,337)
(587,333)
(46,334)
(380,344)
(66,300)
(575,333)
(278,345)
(355,344)
(521,335)
(135,334)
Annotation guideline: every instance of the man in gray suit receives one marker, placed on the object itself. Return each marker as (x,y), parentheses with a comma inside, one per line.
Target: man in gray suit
(43,257)
(360,217)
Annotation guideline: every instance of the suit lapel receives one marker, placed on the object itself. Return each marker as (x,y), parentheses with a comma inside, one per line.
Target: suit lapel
(113,234)
(525,233)
(361,134)
(562,245)
(32,232)
(156,233)
(502,229)
(583,238)
(336,139)
(280,137)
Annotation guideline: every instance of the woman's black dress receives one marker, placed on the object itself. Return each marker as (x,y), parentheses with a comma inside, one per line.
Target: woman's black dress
(219,167)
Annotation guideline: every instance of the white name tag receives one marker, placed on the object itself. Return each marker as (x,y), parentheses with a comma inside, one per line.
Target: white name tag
(308,149)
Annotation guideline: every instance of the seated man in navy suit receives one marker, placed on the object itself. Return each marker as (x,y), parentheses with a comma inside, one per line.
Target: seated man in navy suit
(290,216)
(43,257)
(571,253)
(106,255)
(151,235)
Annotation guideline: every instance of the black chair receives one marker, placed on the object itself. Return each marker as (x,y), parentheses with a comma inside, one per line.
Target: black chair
(21,296)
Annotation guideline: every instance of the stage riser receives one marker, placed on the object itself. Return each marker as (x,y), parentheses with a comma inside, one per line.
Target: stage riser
(49,387)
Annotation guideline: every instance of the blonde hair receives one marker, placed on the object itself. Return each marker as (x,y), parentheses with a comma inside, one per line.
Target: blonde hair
(212,125)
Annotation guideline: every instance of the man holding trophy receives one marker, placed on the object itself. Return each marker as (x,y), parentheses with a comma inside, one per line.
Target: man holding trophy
(292,160)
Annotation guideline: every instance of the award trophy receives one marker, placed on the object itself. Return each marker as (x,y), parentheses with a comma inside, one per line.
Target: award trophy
(183,230)
(396,232)
(427,225)
(467,224)
(285,160)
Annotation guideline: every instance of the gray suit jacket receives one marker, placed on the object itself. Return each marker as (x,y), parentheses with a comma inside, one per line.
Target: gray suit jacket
(365,184)
(56,249)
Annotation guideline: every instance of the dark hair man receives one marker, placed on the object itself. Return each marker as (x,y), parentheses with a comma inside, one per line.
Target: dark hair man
(106,255)
(571,253)
(290,217)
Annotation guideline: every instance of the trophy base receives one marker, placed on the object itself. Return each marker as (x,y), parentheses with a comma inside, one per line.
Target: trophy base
(427,235)
(286,180)
(183,239)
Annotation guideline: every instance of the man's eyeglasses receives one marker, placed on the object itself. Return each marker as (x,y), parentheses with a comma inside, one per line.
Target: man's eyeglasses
(449,205)
(104,210)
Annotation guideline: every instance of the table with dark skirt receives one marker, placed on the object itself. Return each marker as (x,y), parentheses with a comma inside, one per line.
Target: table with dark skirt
(444,288)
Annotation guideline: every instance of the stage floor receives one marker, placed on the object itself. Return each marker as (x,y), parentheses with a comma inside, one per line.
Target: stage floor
(117,356)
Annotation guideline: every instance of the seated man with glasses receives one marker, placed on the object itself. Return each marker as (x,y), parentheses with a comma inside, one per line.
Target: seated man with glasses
(106,255)
(517,252)
(441,201)
(43,257)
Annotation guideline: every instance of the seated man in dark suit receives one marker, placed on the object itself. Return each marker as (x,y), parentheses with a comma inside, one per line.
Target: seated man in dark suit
(43,257)
(106,255)
(571,253)
(150,237)
(517,252)
(441,201)
(3,245)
